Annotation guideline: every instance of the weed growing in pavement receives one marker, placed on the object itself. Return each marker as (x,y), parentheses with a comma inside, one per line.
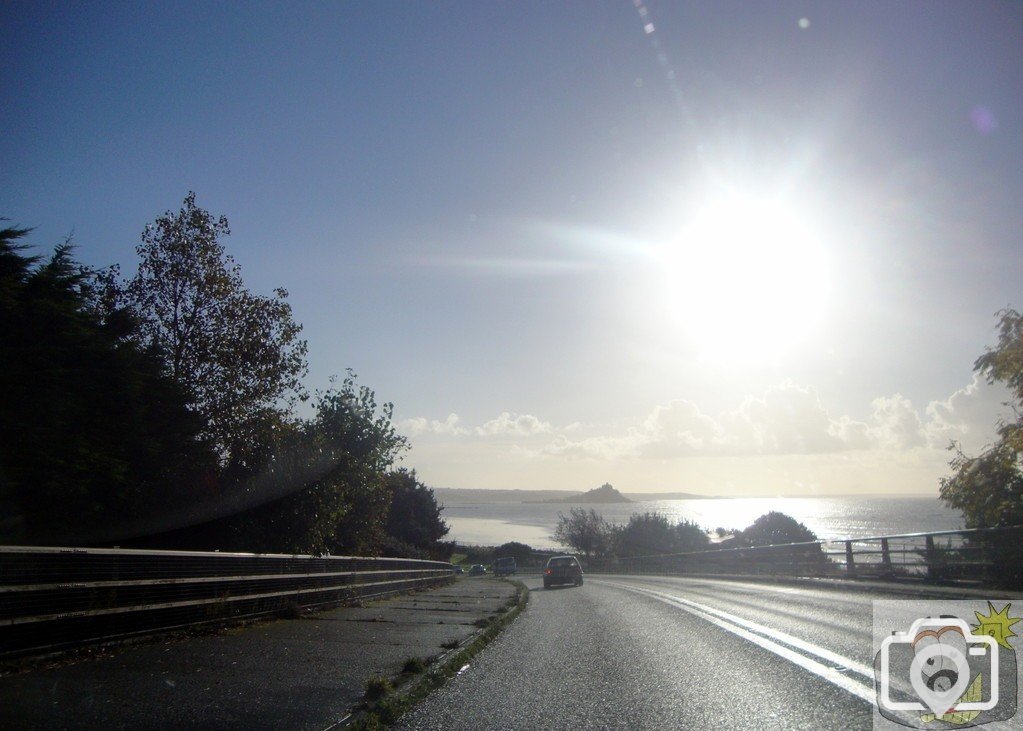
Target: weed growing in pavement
(391,706)
(371,722)
(378,687)
(414,665)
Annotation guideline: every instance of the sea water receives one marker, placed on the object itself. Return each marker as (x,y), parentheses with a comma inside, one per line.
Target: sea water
(533,523)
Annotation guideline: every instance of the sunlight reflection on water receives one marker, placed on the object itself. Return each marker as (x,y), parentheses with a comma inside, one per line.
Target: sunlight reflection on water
(837,517)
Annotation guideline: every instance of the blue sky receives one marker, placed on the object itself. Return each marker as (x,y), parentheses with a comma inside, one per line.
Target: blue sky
(565,214)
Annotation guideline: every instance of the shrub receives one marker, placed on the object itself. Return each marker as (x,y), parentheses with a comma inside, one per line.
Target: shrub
(414,665)
(774,528)
(378,687)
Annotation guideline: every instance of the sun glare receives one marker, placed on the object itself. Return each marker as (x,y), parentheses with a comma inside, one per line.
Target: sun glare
(746,278)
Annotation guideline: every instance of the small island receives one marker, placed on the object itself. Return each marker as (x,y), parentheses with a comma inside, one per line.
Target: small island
(603,494)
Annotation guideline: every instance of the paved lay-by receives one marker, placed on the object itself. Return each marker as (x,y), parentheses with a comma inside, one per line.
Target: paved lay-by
(296,674)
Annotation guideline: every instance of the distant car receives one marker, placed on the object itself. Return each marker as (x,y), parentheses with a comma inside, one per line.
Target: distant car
(505,566)
(459,570)
(477,569)
(562,570)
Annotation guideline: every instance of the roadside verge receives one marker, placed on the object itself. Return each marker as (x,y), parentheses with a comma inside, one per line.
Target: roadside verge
(387,700)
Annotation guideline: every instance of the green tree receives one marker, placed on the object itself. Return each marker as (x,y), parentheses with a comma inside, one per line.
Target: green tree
(774,528)
(93,437)
(651,534)
(479,554)
(238,354)
(513,549)
(584,531)
(646,534)
(778,529)
(329,476)
(323,489)
(690,536)
(988,488)
(414,515)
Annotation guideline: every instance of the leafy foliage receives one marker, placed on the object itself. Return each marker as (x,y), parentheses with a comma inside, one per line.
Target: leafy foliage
(238,354)
(414,517)
(162,410)
(690,537)
(513,549)
(585,531)
(331,471)
(775,528)
(645,534)
(648,534)
(91,433)
(988,489)
(478,554)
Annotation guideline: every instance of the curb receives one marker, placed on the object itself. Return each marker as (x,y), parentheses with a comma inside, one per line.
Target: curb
(388,710)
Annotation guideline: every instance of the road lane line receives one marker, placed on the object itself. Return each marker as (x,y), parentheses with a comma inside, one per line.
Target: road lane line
(831,674)
(774,634)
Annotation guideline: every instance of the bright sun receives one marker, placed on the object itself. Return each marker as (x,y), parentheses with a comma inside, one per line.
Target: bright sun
(747,278)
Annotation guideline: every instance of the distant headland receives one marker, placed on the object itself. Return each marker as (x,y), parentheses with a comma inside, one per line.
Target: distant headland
(598,495)
(603,494)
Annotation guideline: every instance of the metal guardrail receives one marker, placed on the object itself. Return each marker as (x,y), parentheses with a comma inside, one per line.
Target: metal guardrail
(56,598)
(976,557)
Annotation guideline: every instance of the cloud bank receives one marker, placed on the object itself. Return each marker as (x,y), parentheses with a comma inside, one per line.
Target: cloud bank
(791,420)
(788,419)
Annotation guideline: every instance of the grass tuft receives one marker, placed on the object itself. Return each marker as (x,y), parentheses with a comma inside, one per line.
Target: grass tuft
(378,688)
(389,707)
(414,665)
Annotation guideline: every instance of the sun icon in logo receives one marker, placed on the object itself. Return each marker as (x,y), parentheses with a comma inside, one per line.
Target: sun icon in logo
(997,624)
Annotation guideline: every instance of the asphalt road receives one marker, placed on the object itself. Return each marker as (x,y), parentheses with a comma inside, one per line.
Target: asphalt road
(664,653)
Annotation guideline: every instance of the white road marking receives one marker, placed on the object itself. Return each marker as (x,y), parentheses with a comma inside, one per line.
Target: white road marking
(821,652)
(749,631)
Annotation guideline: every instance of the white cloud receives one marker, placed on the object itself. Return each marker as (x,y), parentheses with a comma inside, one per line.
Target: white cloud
(599,447)
(855,435)
(678,427)
(421,425)
(895,424)
(969,416)
(791,420)
(514,424)
(507,424)
(788,419)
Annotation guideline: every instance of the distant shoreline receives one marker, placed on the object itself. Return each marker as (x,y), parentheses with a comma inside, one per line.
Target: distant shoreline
(497,520)
(471,494)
